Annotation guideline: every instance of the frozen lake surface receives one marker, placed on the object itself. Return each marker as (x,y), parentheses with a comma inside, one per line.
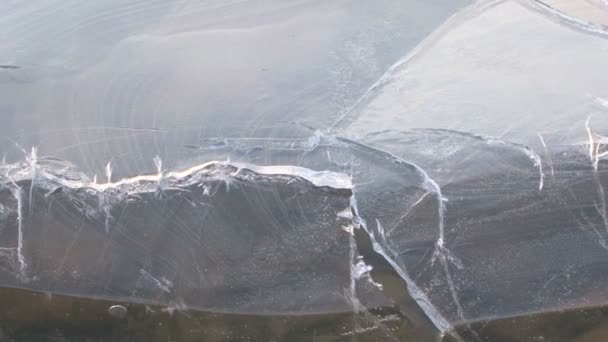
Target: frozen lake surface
(304,170)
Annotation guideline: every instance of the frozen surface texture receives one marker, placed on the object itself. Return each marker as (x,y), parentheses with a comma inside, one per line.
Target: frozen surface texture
(128,80)
(215,237)
(251,235)
(310,158)
(506,69)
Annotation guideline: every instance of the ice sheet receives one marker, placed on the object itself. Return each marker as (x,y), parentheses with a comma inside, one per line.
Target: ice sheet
(309,158)
(254,234)
(505,69)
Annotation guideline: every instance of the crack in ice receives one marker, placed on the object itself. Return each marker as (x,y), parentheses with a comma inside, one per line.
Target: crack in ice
(573,22)
(549,160)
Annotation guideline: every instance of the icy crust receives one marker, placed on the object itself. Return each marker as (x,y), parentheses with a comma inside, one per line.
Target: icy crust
(459,216)
(206,237)
(268,230)
(389,194)
(500,81)
(528,225)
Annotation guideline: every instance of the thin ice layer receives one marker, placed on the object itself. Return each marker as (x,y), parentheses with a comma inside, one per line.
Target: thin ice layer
(507,69)
(215,237)
(249,235)
(458,216)
(515,247)
(385,189)
(129,79)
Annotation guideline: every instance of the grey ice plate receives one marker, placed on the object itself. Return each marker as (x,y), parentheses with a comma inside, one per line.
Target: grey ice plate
(304,158)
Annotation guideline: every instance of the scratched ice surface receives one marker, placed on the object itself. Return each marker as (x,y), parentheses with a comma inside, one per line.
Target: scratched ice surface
(268,229)
(209,237)
(507,69)
(504,108)
(128,80)
(302,159)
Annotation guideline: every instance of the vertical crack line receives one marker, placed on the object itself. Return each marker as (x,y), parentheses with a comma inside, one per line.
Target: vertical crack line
(591,143)
(33,164)
(433,187)
(430,185)
(535,157)
(601,208)
(444,254)
(105,202)
(441,251)
(106,210)
(352,291)
(595,156)
(159,168)
(159,165)
(452,286)
(18,194)
(109,172)
(549,160)
(352,295)
(442,324)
